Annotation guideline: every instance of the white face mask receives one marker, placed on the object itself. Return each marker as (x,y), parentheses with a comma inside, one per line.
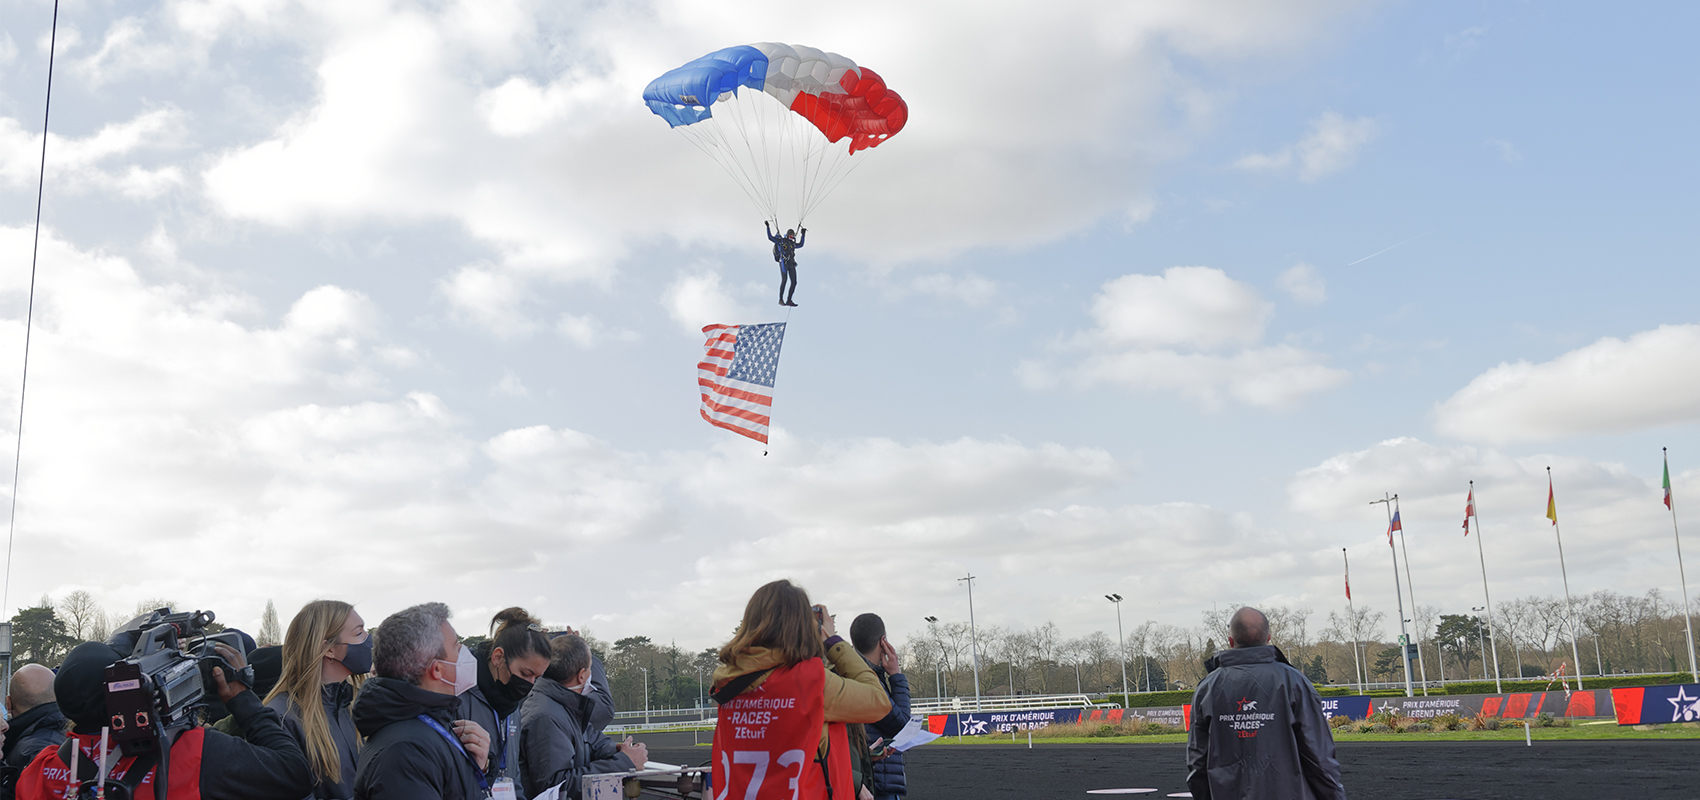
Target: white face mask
(582,687)
(466,670)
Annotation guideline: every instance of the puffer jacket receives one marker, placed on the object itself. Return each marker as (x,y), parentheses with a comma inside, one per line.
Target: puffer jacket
(1258,733)
(888,771)
(558,745)
(336,698)
(853,693)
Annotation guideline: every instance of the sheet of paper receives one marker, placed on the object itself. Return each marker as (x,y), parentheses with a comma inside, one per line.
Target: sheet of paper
(551,793)
(913,735)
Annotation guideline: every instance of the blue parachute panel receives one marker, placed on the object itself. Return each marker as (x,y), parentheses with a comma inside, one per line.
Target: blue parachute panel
(697,84)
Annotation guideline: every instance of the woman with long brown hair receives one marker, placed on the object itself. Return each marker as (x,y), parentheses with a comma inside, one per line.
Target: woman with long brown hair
(509,662)
(786,685)
(325,650)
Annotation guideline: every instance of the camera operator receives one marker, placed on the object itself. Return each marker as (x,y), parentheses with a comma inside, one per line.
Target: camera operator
(268,765)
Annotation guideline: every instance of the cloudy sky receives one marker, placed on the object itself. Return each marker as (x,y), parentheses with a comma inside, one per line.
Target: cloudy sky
(396,302)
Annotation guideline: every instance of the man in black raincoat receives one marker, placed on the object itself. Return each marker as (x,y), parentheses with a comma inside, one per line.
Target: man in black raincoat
(1258,731)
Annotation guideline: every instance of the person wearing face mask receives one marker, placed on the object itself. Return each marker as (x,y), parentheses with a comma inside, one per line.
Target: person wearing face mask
(415,748)
(558,745)
(509,662)
(326,647)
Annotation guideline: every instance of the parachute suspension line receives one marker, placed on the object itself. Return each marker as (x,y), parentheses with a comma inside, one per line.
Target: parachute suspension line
(709,149)
(29,315)
(835,181)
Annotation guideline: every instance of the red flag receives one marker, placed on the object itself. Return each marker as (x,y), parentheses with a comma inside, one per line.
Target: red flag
(1469,510)
(1393,526)
(1348,585)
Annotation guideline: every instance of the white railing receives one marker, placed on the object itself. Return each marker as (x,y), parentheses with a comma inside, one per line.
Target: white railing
(953,705)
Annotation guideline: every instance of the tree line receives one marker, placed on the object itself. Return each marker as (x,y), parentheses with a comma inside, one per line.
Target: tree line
(1615,633)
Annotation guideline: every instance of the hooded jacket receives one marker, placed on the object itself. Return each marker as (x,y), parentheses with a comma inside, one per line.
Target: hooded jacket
(1258,732)
(888,772)
(853,692)
(336,698)
(405,758)
(558,745)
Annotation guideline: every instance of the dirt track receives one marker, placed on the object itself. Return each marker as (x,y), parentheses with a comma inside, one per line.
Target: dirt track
(1392,771)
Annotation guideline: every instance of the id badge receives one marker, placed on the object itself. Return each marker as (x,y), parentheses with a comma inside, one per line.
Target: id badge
(503,789)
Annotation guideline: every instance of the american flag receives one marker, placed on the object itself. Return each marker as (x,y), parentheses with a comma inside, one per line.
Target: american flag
(736,376)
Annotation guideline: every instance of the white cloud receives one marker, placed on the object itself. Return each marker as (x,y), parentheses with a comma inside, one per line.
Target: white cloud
(1331,145)
(1507,151)
(1170,332)
(968,288)
(1616,532)
(517,125)
(1304,282)
(587,332)
(76,164)
(1610,386)
(510,385)
(700,298)
(488,298)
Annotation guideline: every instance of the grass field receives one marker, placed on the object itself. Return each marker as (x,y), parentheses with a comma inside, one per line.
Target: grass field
(1583,732)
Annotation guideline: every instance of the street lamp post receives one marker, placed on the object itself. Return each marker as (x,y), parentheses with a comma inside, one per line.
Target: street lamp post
(1121,652)
(938,674)
(973,637)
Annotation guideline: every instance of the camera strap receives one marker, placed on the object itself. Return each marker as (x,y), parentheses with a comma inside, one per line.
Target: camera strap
(138,770)
(483,783)
(737,685)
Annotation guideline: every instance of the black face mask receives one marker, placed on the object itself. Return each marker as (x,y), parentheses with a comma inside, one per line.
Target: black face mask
(503,697)
(358,659)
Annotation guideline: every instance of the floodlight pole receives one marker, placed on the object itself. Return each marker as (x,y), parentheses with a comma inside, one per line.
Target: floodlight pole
(1398,595)
(973,637)
(1122,642)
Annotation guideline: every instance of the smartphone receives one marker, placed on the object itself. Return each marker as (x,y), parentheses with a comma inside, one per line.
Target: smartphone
(819,611)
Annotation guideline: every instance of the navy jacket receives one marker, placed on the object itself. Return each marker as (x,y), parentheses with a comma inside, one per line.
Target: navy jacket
(888,771)
(1258,733)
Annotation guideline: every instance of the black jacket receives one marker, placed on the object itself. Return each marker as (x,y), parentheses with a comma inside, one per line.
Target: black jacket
(558,744)
(1258,733)
(31,732)
(405,758)
(335,697)
(888,771)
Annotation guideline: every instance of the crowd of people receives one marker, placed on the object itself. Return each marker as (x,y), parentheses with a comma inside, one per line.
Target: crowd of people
(408,711)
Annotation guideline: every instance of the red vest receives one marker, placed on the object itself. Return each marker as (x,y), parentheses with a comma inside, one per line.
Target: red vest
(766,740)
(46,777)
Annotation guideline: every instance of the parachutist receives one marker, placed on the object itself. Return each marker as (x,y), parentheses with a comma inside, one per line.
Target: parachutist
(785,252)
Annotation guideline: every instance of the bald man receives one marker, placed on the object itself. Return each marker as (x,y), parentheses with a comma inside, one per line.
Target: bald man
(35,722)
(1258,730)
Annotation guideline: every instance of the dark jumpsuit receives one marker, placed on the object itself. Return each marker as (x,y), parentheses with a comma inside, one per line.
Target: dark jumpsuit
(785,252)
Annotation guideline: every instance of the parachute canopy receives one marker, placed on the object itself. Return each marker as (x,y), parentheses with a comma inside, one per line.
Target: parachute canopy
(785,140)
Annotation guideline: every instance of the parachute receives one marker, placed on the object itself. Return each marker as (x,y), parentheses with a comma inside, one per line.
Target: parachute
(790,141)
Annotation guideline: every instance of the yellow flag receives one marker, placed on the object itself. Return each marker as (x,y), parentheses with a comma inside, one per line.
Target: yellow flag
(1552,508)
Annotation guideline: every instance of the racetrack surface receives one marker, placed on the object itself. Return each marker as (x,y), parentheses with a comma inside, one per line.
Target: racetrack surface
(1382,771)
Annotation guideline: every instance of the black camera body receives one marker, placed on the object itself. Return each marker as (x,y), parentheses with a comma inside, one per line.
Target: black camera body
(160,689)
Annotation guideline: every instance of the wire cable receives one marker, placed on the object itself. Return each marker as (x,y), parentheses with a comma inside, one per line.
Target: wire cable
(29,315)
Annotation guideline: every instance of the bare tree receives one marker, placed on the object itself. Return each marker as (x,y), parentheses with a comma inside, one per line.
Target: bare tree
(80,613)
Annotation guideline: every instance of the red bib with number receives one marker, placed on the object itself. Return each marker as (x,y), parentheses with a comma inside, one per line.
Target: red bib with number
(766,739)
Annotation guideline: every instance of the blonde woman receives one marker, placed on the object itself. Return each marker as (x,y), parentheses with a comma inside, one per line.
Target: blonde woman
(325,648)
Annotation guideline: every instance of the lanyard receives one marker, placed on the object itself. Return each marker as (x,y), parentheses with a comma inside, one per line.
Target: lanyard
(438,727)
(502,742)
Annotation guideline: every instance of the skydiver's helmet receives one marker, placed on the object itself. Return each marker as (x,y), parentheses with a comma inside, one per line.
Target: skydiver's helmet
(791,234)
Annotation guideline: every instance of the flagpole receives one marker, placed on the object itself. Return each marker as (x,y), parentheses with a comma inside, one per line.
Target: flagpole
(1575,655)
(1398,594)
(1352,622)
(1411,587)
(1491,637)
(1687,618)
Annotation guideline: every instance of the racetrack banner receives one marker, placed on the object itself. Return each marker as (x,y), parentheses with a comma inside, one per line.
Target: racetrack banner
(1651,705)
